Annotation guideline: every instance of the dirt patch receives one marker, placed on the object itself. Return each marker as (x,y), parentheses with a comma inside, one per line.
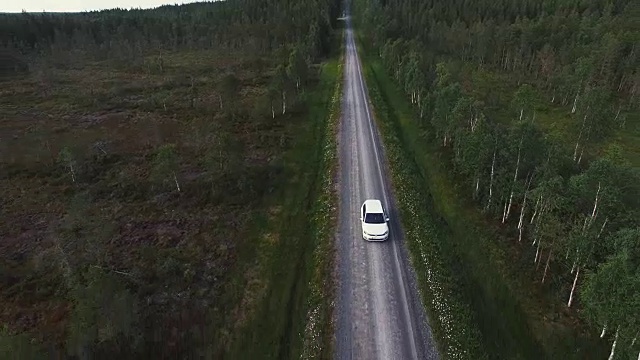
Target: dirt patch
(105,119)
(159,233)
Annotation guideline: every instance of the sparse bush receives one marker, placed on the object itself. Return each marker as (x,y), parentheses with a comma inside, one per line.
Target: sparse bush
(165,166)
(67,159)
(12,64)
(105,312)
(18,346)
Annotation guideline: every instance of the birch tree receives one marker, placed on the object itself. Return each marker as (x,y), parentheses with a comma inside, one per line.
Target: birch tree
(551,232)
(281,83)
(223,155)
(527,151)
(297,67)
(165,166)
(611,293)
(581,78)
(523,101)
(392,56)
(412,77)
(596,119)
(68,160)
(474,148)
(598,202)
(445,100)
(546,58)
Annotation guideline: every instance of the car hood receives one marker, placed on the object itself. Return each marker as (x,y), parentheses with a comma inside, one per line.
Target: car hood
(375,229)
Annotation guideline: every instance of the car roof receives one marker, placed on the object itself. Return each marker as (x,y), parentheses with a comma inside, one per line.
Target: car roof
(373,205)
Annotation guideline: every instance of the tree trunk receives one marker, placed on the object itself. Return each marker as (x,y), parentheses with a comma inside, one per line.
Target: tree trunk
(546,267)
(520,221)
(535,210)
(220,100)
(515,178)
(580,157)
(573,288)
(520,234)
(504,210)
(621,83)
(284,103)
(575,102)
(475,193)
(273,112)
(604,330)
(73,173)
(613,346)
(493,163)
(175,179)
(575,150)
(595,203)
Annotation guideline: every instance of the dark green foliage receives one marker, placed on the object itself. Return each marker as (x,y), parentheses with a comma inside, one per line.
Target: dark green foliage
(11,63)
(612,290)
(524,97)
(105,315)
(263,25)
(18,346)
(297,68)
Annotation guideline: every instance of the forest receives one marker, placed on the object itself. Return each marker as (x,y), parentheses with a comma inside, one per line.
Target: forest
(536,106)
(150,160)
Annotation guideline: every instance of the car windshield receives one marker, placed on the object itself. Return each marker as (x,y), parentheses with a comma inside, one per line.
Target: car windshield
(374,218)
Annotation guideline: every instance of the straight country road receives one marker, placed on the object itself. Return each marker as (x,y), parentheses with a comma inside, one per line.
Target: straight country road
(379,314)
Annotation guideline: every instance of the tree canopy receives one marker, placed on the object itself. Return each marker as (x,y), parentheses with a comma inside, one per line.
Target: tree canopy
(487,73)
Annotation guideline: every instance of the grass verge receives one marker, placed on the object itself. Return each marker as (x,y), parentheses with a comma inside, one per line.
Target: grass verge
(296,266)
(318,334)
(496,298)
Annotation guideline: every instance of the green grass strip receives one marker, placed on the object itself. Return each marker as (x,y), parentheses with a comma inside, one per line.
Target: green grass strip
(288,265)
(318,335)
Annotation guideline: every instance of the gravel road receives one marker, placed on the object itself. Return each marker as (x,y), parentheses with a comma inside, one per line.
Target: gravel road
(379,314)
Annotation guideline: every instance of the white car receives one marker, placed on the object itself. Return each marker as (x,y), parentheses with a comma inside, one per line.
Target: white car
(374,221)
